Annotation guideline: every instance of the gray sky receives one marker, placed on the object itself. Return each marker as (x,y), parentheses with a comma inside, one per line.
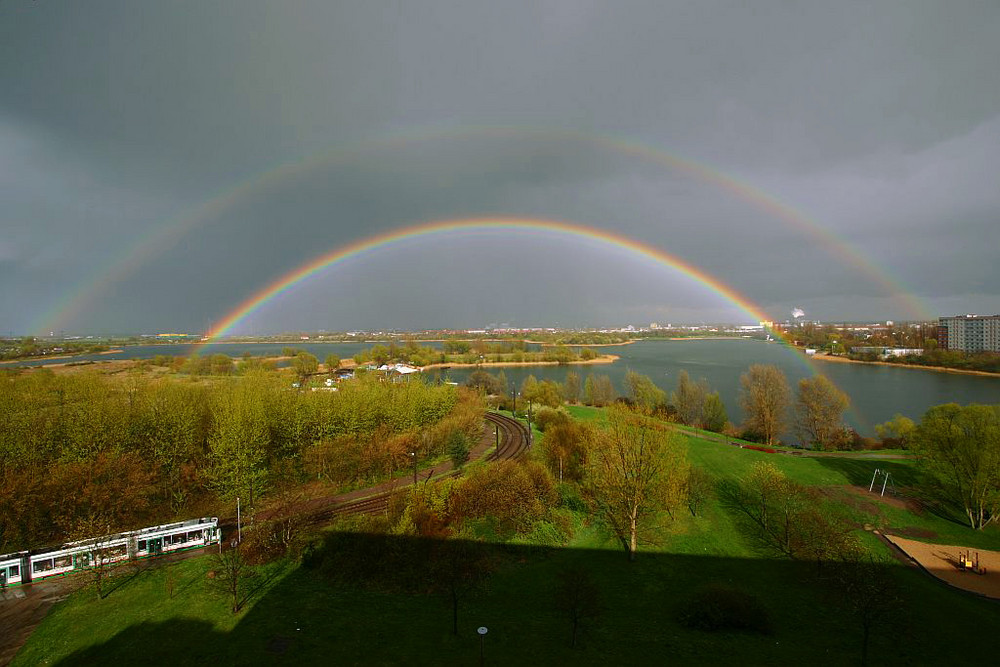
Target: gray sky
(121,123)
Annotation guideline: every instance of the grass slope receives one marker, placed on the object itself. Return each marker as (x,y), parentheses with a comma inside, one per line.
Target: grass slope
(297,615)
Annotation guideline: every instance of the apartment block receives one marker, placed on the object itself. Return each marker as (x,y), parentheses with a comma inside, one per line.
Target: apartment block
(970,333)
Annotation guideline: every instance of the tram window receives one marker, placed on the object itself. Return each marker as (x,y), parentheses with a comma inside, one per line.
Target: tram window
(141,546)
(42,565)
(196,535)
(63,561)
(15,571)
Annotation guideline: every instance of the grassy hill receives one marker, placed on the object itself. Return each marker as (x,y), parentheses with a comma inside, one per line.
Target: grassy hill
(302,615)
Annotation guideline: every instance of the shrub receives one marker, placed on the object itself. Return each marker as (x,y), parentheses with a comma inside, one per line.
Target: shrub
(719,608)
(546,417)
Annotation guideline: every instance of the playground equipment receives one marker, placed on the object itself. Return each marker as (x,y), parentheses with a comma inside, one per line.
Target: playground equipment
(969,562)
(885,481)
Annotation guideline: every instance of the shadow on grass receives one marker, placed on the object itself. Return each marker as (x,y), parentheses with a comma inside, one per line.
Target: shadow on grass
(376,599)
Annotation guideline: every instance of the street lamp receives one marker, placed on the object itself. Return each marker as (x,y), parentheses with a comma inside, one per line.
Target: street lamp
(482,642)
(413,455)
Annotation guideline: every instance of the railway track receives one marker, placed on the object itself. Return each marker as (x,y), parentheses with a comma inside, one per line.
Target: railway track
(513,444)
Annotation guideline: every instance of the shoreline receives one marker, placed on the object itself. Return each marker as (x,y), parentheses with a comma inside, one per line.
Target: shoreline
(61,356)
(937,369)
(604,359)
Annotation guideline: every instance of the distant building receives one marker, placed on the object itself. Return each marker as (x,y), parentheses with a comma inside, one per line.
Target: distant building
(970,333)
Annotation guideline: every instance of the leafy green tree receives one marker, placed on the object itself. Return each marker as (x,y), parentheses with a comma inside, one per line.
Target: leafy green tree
(458,449)
(764,397)
(898,431)
(304,365)
(642,392)
(714,415)
(634,471)
(332,362)
(239,441)
(960,447)
(820,408)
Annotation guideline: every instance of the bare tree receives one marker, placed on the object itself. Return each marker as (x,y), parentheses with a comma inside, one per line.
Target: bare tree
(634,471)
(689,399)
(577,596)
(820,408)
(870,593)
(764,397)
(231,570)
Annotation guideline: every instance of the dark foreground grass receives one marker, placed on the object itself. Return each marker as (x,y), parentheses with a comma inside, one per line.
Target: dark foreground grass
(302,617)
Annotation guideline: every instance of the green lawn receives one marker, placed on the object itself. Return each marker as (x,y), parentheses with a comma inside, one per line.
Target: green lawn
(296,614)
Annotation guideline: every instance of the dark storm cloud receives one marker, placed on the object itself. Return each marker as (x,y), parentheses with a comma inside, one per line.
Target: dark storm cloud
(879,121)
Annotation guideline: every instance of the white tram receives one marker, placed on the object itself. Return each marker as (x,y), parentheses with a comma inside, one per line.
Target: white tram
(25,566)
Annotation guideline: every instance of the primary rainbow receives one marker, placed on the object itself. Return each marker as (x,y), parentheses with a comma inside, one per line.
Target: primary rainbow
(168,233)
(291,279)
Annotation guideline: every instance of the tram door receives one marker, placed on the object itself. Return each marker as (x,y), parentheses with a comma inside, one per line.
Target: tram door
(156,546)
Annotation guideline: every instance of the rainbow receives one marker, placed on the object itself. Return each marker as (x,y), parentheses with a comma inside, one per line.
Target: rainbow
(563,229)
(168,233)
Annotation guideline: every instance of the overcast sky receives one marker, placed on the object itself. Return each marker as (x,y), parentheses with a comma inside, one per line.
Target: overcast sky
(122,123)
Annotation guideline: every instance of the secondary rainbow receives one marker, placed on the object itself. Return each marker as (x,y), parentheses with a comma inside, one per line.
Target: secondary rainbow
(168,233)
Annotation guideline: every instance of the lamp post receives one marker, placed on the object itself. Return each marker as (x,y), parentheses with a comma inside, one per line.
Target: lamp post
(239,526)
(529,422)
(413,455)
(482,642)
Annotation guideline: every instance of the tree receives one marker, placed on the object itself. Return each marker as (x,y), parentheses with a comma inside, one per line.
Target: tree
(564,447)
(898,431)
(304,365)
(697,488)
(642,392)
(634,471)
(820,408)
(714,415)
(230,571)
(578,598)
(458,569)
(960,447)
(458,449)
(869,592)
(571,389)
(239,440)
(598,390)
(332,362)
(689,399)
(764,398)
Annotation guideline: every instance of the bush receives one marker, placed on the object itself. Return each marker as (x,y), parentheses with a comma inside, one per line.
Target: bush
(719,608)
(546,417)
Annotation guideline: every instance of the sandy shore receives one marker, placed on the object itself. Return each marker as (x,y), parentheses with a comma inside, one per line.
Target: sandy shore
(703,338)
(939,369)
(603,359)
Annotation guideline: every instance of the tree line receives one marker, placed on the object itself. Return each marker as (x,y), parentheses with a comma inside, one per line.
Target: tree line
(84,450)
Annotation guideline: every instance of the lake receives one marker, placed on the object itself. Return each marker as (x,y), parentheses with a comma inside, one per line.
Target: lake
(876,392)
